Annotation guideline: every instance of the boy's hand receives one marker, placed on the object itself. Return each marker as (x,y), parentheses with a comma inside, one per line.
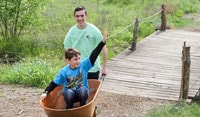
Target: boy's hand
(43,96)
(105,35)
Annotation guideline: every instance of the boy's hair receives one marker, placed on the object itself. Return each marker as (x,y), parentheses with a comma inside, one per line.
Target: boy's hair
(71,52)
(79,8)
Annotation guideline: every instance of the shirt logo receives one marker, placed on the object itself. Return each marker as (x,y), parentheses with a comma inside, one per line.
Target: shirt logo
(75,82)
(88,37)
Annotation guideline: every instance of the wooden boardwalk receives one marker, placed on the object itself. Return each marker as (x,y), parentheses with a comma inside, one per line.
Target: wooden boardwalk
(154,69)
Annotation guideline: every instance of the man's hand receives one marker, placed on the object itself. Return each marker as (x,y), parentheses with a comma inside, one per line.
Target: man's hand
(104,71)
(104,53)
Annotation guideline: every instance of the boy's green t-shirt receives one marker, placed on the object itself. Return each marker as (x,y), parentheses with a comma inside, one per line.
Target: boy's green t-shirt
(84,40)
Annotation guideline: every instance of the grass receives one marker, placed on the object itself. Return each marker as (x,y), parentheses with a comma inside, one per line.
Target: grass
(181,109)
(33,72)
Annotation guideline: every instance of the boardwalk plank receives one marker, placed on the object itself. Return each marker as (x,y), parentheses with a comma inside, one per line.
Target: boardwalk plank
(154,69)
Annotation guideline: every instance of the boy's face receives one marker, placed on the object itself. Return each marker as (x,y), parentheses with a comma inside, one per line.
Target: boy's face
(80,17)
(74,62)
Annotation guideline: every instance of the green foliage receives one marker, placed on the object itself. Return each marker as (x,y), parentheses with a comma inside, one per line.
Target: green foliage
(58,18)
(25,47)
(146,28)
(180,22)
(17,16)
(32,72)
(119,2)
(21,47)
(181,109)
(190,6)
(46,41)
(179,13)
(119,42)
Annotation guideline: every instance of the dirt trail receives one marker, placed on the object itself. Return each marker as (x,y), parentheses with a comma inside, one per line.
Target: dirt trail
(17,101)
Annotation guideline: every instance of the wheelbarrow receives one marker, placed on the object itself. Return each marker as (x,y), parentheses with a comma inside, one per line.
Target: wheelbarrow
(54,104)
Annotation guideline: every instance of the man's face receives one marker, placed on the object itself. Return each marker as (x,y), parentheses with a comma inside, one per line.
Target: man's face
(80,18)
(74,62)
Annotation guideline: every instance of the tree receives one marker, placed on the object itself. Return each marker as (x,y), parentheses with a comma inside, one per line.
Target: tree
(17,16)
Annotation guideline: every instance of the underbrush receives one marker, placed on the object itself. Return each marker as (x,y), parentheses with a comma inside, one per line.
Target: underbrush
(33,72)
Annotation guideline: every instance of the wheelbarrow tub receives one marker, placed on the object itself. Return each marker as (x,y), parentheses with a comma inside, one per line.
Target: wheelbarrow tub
(54,104)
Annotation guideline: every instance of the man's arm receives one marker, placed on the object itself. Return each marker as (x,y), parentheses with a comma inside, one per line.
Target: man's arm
(104,57)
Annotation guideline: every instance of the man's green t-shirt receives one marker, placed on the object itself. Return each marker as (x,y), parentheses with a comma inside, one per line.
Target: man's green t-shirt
(84,40)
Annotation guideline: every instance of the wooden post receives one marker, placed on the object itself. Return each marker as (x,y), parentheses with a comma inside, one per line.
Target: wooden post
(163,18)
(196,97)
(135,35)
(185,72)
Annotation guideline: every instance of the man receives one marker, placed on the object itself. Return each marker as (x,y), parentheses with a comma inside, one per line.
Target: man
(85,37)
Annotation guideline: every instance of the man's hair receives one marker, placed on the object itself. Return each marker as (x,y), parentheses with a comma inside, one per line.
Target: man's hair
(79,8)
(71,52)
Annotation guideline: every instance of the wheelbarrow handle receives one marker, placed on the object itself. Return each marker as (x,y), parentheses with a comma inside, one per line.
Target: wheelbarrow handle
(101,78)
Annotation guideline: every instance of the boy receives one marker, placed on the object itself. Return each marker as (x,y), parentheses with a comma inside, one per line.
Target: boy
(74,76)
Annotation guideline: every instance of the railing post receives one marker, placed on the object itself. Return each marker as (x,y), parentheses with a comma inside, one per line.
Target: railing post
(163,18)
(135,35)
(185,72)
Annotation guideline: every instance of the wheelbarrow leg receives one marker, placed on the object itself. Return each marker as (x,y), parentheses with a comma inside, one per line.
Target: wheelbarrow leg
(94,115)
(95,112)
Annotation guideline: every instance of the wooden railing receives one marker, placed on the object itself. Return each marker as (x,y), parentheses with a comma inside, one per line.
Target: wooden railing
(162,27)
(185,76)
